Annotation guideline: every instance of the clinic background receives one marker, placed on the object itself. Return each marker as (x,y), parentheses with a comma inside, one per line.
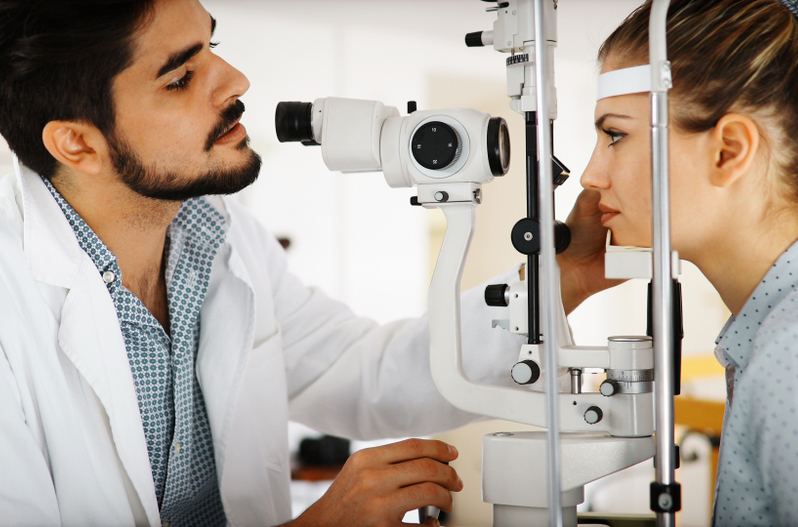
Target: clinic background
(361,241)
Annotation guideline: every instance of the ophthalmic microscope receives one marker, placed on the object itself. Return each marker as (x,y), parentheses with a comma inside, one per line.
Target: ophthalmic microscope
(531,478)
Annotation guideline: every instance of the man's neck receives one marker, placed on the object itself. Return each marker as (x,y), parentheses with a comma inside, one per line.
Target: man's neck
(133,228)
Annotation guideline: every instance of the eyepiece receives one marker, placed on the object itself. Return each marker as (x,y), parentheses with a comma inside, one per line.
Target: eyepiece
(293,122)
(474,40)
(498,142)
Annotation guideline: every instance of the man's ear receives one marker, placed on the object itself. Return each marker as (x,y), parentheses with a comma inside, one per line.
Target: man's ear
(735,143)
(75,144)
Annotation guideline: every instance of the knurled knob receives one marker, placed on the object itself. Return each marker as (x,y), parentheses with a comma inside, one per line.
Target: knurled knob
(525,372)
(608,388)
(593,415)
(496,295)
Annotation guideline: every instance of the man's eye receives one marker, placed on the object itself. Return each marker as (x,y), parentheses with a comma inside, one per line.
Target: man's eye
(181,83)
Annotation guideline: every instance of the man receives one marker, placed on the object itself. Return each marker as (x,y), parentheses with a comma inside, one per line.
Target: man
(152,344)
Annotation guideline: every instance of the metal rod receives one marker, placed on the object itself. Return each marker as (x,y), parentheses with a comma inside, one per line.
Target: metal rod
(661,242)
(533,213)
(548,286)
(576,380)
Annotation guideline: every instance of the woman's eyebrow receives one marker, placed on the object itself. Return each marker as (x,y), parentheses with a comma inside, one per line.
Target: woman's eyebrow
(600,120)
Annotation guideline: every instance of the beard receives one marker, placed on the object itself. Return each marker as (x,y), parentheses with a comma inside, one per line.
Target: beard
(156,183)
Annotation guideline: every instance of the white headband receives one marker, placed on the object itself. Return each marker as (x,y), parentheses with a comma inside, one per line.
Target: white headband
(625,81)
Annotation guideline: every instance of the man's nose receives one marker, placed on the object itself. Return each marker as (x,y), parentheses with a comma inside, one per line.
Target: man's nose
(233,84)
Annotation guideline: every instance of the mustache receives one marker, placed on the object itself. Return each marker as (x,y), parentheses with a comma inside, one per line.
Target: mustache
(227,119)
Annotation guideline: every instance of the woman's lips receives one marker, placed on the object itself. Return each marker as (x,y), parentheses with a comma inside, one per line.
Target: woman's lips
(607,213)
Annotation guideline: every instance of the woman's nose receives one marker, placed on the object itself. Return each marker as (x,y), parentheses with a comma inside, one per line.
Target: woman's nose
(595,175)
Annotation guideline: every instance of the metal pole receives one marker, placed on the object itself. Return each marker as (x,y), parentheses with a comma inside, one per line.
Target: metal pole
(548,286)
(665,494)
(533,213)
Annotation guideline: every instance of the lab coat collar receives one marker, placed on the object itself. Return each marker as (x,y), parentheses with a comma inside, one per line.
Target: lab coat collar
(47,234)
(89,332)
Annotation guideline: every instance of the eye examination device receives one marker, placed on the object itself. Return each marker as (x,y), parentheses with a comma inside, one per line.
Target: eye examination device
(530,478)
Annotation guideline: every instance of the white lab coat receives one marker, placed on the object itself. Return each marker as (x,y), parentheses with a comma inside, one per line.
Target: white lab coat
(72,445)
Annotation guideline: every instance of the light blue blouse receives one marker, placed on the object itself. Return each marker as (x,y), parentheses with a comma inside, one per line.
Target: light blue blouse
(757,481)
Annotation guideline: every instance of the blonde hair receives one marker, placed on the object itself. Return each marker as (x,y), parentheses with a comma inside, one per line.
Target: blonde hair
(727,56)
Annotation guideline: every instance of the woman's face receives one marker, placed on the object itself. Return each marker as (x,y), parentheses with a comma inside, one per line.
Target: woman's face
(620,170)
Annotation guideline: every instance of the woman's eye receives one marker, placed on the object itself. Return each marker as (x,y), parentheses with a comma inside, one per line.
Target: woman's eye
(181,83)
(614,136)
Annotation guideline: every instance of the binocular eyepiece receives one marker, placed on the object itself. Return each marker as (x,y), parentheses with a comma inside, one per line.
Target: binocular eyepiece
(456,145)
(293,122)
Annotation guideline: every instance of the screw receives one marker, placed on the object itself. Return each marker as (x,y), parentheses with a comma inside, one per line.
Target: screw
(528,236)
(665,501)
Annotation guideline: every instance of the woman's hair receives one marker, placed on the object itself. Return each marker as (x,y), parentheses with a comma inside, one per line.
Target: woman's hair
(58,60)
(726,56)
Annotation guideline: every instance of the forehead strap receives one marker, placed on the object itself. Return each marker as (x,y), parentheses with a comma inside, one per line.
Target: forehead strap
(636,79)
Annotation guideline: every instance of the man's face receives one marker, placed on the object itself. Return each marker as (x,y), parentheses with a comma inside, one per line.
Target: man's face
(177,133)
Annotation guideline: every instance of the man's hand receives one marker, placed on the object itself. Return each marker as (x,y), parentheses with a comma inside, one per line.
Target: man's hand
(582,264)
(377,486)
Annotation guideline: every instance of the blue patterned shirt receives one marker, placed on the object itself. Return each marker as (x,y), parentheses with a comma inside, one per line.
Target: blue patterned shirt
(757,482)
(172,408)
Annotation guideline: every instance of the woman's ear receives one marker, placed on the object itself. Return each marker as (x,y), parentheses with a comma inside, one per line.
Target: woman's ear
(75,144)
(735,143)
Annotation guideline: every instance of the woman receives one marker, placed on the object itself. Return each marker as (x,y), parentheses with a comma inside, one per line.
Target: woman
(734,214)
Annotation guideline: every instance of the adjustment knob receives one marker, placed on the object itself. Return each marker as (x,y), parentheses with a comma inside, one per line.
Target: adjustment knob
(435,145)
(525,372)
(496,295)
(608,388)
(593,415)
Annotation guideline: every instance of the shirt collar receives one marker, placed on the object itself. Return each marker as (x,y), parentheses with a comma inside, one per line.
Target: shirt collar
(736,337)
(197,223)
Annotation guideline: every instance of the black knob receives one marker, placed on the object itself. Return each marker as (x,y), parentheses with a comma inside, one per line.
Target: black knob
(608,388)
(496,295)
(562,236)
(525,372)
(593,415)
(526,236)
(435,145)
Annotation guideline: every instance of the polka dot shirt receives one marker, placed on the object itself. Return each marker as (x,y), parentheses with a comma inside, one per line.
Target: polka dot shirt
(757,481)
(173,412)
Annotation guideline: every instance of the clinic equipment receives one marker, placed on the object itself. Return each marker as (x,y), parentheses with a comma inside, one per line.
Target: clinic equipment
(447,155)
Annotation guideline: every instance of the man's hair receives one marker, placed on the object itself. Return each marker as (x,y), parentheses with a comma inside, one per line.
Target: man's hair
(58,60)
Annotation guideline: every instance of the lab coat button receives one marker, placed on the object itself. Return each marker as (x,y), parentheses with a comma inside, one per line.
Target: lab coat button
(108,277)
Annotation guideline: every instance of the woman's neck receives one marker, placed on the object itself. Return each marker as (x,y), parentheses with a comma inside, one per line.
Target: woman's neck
(735,264)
